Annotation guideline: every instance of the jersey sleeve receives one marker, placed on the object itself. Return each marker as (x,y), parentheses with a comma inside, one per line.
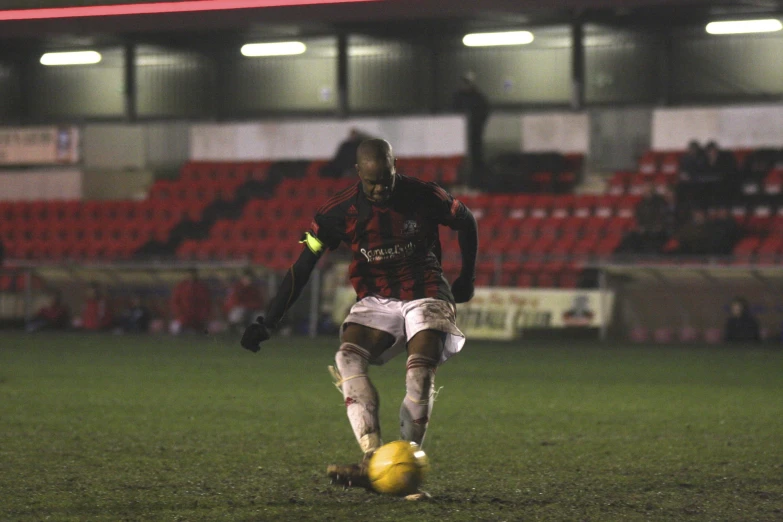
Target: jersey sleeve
(446,209)
(325,233)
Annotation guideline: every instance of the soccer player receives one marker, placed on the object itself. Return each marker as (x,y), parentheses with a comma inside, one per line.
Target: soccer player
(390,221)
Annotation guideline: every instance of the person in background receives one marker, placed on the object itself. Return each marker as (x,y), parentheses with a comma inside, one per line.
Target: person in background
(741,326)
(243,303)
(474,104)
(136,319)
(693,162)
(654,219)
(54,316)
(97,314)
(720,176)
(191,305)
(723,230)
(344,158)
(693,238)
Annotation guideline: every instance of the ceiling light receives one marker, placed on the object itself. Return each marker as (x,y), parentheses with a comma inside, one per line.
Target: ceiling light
(71,58)
(744,26)
(490,39)
(273,49)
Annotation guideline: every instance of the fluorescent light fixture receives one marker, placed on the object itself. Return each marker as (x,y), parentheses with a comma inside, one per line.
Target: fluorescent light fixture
(491,39)
(273,49)
(71,58)
(745,26)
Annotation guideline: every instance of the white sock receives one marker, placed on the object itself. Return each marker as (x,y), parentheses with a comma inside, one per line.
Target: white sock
(361,398)
(419,397)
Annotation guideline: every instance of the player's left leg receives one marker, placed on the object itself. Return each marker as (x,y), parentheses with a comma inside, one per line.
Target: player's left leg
(424,352)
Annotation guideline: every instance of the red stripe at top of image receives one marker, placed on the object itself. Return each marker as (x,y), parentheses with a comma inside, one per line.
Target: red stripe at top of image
(188,6)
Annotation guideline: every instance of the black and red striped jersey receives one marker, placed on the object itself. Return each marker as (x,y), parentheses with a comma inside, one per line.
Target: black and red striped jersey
(396,247)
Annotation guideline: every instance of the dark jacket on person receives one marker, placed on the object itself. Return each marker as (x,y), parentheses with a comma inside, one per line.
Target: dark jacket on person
(653,214)
(742,329)
(472,102)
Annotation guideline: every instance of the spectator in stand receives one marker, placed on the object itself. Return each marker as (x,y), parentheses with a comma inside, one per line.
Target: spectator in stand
(723,231)
(758,164)
(97,314)
(470,100)
(54,316)
(344,160)
(692,165)
(693,162)
(741,326)
(243,303)
(693,238)
(191,305)
(720,175)
(654,219)
(136,319)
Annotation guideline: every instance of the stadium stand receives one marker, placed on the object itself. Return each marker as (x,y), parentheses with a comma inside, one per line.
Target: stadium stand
(212,210)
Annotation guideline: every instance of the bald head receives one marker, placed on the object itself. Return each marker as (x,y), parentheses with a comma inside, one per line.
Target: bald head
(374,150)
(375,166)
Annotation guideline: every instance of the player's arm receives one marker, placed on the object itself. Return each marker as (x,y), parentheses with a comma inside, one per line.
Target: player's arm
(289,291)
(467,235)
(452,213)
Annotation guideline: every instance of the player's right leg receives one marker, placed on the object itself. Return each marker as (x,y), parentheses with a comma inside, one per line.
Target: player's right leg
(360,345)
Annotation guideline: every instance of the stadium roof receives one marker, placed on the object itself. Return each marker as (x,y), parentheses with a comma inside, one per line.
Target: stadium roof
(375,17)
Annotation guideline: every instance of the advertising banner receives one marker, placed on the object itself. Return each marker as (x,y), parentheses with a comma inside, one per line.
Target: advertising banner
(39,145)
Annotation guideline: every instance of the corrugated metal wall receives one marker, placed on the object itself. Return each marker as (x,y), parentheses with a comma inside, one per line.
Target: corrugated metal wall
(727,67)
(79,91)
(622,67)
(302,83)
(534,74)
(9,93)
(172,84)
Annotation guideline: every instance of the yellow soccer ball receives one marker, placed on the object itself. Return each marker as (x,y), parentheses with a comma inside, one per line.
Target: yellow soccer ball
(398,468)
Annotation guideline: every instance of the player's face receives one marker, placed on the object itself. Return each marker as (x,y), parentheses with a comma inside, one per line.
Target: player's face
(378,178)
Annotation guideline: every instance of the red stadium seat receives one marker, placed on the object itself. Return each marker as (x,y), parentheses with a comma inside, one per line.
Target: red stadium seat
(769,251)
(670,163)
(573,226)
(773,182)
(648,163)
(519,206)
(745,249)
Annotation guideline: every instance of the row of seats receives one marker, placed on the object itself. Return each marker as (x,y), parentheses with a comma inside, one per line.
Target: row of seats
(634,183)
(668,162)
(78,213)
(760,249)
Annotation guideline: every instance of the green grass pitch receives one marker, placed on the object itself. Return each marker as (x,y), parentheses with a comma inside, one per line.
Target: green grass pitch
(197,429)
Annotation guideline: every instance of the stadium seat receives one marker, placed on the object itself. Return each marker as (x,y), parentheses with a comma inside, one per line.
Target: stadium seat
(541,206)
(773,182)
(745,249)
(562,206)
(605,206)
(670,163)
(584,205)
(618,183)
(769,250)
(648,163)
(519,207)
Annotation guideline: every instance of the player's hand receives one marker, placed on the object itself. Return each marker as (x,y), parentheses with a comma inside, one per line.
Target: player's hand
(462,288)
(254,335)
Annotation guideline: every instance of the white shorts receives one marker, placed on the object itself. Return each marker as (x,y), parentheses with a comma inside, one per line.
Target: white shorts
(404,319)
